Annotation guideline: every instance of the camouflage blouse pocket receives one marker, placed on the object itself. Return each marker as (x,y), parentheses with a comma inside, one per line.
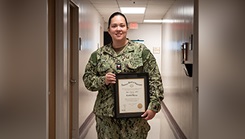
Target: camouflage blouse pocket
(103,67)
(134,65)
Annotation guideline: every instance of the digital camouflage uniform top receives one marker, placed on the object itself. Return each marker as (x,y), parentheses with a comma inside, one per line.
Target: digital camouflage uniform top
(135,57)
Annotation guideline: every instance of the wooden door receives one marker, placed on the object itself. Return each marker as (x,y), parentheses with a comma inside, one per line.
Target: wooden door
(73,30)
(51,61)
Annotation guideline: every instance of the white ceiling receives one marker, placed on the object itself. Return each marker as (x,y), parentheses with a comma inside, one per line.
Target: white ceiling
(155,9)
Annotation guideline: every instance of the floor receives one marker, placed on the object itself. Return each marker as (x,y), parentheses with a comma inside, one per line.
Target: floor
(154,133)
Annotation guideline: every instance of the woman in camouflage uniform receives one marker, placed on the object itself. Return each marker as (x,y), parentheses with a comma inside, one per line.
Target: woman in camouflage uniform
(121,55)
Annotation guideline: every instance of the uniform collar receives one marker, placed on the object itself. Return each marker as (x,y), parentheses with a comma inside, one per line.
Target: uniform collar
(129,48)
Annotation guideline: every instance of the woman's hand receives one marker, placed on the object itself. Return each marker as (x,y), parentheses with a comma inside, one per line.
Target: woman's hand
(110,78)
(148,115)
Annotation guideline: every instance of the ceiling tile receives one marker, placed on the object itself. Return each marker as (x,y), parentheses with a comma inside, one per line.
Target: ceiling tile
(155,9)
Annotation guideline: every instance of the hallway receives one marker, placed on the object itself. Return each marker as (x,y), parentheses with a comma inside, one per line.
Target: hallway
(208,105)
(176,119)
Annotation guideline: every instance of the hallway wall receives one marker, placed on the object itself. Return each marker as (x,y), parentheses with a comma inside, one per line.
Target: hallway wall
(178,87)
(23,69)
(90,23)
(221,69)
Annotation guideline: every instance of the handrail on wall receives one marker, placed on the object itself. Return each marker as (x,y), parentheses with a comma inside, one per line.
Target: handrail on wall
(83,130)
(178,133)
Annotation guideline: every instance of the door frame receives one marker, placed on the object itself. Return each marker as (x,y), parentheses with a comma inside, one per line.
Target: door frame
(63,100)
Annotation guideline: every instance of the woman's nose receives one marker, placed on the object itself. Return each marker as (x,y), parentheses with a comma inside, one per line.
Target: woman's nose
(118,28)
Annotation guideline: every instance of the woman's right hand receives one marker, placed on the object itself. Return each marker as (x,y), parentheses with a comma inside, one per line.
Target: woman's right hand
(110,78)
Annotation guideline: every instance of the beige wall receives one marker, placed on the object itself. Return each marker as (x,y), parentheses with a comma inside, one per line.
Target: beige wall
(24,74)
(221,69)
(89,31)
(178,87)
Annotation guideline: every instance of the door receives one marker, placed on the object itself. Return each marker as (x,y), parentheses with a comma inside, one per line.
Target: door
(73,69)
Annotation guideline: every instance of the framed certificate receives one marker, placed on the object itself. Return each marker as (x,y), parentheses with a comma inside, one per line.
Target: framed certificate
(131,94)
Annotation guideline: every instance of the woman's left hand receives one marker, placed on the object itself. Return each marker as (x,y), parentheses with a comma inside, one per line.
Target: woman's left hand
(148,115)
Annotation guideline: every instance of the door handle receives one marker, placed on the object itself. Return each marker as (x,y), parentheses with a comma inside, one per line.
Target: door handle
(73,81)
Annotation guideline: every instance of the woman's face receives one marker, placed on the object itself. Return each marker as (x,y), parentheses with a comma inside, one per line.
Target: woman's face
(118,28)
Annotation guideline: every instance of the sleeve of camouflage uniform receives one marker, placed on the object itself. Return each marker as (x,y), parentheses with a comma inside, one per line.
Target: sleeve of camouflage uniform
(92,81)
(155,80)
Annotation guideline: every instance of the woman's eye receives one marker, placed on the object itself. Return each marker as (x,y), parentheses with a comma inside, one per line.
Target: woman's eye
(115,26)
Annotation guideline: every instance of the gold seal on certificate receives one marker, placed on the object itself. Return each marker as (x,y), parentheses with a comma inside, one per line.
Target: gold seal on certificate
(131,94)
(140,105)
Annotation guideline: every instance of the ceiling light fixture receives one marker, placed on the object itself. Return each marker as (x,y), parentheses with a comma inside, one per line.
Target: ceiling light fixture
(164,21)
(152,21)
(132,10)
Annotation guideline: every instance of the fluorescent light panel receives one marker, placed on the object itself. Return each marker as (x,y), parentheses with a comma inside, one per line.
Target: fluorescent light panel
(153,21)
(164,21)
(132,10)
